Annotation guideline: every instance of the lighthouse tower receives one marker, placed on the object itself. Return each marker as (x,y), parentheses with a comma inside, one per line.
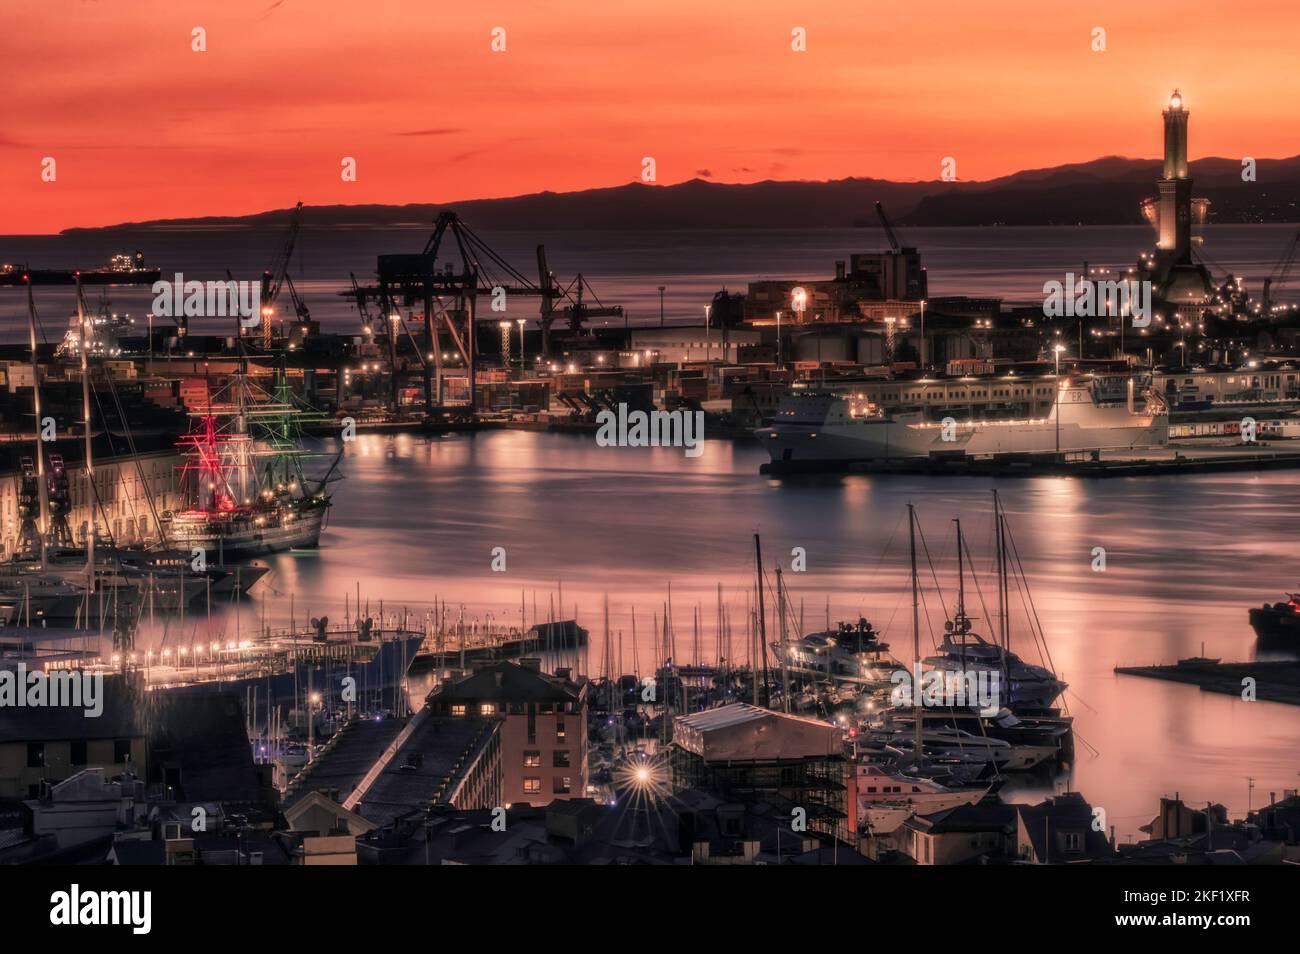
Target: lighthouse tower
(1174,211)
(1178,280)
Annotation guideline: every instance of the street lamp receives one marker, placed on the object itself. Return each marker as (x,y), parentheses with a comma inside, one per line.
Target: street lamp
(798,303)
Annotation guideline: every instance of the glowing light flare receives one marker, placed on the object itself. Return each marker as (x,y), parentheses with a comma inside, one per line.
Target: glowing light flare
(641,781)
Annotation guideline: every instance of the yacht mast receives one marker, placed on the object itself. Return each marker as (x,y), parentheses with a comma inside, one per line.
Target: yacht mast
(1003,590)
(761,654)
(961,581)
(781,611)
(916,636)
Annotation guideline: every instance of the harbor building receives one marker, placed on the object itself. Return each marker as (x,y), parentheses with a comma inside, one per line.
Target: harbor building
(961,835)
(436,760)
(387,768)
(875,285)
(49,743)
(746,754)
(543,726)
(1059,830)
(123,484)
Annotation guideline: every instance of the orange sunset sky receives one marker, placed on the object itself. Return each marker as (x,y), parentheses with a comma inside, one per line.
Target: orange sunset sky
(142,127)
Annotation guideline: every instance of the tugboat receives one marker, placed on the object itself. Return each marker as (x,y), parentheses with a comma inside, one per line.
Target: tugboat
(1277,625)
(245,475)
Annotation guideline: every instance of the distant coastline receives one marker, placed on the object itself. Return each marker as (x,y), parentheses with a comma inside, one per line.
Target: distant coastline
(1104,191)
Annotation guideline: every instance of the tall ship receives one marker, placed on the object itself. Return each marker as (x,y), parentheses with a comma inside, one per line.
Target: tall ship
(244,475)
(817,427)
(50,580)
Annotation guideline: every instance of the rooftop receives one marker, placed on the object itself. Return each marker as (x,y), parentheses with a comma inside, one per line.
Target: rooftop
(507,682)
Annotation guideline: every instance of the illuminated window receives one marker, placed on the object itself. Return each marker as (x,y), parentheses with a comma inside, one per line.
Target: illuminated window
(487,708)
(458,710)
(561,786)
(532,786)
(532,759)
(560,735)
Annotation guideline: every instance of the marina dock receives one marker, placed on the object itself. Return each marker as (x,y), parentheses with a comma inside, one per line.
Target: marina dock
(1191,458)
(1274,681)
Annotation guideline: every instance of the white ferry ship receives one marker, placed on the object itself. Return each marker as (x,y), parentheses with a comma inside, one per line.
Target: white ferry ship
(820,427)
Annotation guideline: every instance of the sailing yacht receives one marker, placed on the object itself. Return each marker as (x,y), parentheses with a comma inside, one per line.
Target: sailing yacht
(964,651)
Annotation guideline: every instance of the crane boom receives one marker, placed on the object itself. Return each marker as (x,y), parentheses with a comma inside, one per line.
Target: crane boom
(889,229)
(273,278)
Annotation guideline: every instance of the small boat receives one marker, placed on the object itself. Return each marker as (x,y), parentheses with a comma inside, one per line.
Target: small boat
(948,742)
(887,796)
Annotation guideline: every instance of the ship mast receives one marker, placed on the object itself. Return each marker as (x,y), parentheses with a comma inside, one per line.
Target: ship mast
(761,654)
(916,637)
(961,581)
(1003,590)
(42,490)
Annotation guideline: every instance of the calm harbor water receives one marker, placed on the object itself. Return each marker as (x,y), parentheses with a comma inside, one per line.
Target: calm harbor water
(1185,557)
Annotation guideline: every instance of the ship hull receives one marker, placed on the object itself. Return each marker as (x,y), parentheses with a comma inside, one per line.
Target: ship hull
(886,439)
(244,539)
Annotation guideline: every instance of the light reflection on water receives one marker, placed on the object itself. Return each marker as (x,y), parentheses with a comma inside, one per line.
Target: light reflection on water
(417,518)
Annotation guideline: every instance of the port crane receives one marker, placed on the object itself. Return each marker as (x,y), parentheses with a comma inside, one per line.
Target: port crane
(458,265)
(574,313)
(277,277)
(1281,272)
(360,300)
